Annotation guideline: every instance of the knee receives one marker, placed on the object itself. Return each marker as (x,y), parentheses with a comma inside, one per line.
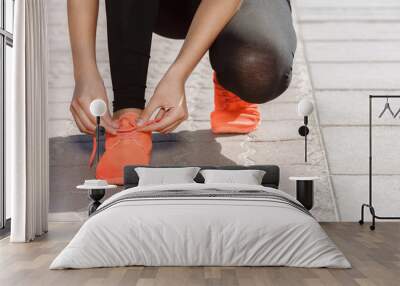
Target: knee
(258,77)
(267,88)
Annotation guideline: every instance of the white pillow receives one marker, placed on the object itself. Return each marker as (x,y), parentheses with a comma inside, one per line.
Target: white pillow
(164,176)
(248,177)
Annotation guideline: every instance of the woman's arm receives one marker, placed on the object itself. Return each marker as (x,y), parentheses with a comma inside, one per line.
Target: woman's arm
(82,20)
(209,20)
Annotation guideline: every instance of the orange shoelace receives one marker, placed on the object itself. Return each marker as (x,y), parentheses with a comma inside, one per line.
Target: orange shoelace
(127,130)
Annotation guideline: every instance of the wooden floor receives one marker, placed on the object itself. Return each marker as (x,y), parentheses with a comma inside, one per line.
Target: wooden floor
(375,257)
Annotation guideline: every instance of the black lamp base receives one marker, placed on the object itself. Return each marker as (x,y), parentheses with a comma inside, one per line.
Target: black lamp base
(305,193)
(95,195)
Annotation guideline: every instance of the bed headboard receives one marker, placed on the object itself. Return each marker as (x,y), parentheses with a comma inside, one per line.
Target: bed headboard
(270,179)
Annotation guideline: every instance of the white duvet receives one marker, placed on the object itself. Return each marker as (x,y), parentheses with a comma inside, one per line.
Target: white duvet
(200,231)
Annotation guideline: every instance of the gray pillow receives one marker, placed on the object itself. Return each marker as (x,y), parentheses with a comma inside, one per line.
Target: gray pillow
(247,177)
(164,176)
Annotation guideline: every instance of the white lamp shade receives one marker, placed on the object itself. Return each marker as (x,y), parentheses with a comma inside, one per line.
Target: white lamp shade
(98,107)
(305,107)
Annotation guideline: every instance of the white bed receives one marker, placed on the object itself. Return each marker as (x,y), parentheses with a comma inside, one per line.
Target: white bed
(182,230)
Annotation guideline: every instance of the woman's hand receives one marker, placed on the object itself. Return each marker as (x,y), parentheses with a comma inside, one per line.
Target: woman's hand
(86,90)
(170,101)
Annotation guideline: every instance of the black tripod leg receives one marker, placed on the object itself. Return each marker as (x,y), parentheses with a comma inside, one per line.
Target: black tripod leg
(361,221)
(372,210)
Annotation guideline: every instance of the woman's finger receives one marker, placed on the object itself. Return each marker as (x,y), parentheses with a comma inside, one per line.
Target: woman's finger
(78,122)
(109,124)
(85,120)
(171,128)
(83,106)
(160,114)
(168,120)
(114,123)
(146,113)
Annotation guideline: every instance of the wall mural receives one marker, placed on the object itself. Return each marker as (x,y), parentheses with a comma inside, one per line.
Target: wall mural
(276,141)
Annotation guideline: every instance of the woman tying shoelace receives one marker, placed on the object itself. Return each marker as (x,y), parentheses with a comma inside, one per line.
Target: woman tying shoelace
(251,45)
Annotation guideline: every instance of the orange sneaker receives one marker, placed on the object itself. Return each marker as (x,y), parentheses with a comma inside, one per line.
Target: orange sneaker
(232,114)
(127,147)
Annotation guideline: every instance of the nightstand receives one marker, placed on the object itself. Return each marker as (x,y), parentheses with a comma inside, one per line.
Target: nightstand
(305,190)
(96,190)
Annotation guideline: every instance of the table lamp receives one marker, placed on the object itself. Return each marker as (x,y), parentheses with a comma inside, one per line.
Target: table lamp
(96,188)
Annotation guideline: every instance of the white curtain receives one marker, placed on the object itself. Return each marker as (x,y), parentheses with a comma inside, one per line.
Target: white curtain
(26,124)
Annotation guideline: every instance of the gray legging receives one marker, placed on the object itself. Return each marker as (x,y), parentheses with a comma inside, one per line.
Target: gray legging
(252,56)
